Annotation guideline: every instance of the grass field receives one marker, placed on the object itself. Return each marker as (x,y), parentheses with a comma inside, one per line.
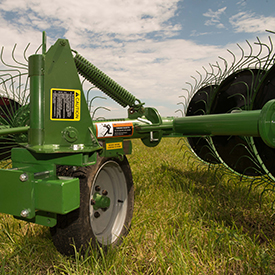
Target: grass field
(188,219)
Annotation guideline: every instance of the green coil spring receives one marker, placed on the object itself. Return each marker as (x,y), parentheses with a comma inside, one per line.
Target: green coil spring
(104,82)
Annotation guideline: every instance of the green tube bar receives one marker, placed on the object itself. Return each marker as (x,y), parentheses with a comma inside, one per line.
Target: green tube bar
(244,123)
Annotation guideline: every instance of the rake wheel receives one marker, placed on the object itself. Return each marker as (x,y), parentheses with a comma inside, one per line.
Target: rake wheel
(199,105)
(234,94)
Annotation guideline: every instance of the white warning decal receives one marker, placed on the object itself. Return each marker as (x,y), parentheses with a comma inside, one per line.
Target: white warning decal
(114,129)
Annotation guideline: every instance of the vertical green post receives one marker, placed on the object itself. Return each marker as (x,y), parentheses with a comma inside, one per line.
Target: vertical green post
(44,43)
(36,74)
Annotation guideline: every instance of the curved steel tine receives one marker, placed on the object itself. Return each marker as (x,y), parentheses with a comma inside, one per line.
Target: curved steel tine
(184,97)
(213,73)
(241,95)
(196,83)
(88,92)
(24,98)
(242,55)
(208,77)
(6,81)
(270,59)
(233,62)
(13,57)
(101,97)
(12,92)
(37,50)
(200,81)
(7,65)
(191,88)
(179,110)
(183,104)
(265,58)
(188,95)
(98,109)
(27,99)
(3,110)
(184,89)
(219,71)
(249,57)
(225,65)
(25,51)
(201,110)
(261,47)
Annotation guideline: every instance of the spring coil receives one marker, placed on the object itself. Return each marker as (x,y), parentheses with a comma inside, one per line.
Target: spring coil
(103,82)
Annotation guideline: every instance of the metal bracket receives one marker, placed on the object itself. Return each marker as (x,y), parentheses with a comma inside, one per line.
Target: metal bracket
(152,139)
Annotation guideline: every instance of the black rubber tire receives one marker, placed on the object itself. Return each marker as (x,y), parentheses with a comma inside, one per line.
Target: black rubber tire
(74,230)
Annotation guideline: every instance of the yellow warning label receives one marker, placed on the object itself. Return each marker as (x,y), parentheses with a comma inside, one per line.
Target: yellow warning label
(77,105)
(65,104)
(114,145)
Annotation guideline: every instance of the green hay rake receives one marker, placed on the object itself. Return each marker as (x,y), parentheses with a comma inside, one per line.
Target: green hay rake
(64,170)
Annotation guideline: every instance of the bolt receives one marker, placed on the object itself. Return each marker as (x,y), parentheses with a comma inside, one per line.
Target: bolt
(104,192)
(97,188)
(75,147)
(97,215)
(23,177)
(63,43)
(71,134)
(92,202)
(25,213)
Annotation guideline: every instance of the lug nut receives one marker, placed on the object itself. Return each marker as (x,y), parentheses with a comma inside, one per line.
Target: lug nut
(97,215)
(104,192)
(92,202)
(25,213)
(97,188)
(23,177)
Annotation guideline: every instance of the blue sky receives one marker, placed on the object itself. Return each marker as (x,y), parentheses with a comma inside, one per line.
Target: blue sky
(150,47)
(220,22)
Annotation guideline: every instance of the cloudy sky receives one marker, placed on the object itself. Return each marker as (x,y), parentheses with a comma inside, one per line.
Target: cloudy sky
(150,47)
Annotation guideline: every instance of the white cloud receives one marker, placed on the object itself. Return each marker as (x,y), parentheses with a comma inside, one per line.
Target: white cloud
(251,23)
(154,71)
(242,3)
(215,17)
(116,28)
(113,35)
(117,17)
(196,33)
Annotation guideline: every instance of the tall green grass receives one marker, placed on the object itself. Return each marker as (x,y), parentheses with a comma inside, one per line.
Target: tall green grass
(189,218)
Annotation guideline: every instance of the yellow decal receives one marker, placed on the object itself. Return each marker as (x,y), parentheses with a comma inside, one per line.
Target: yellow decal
(65,104)
(77,105)
(114,145)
